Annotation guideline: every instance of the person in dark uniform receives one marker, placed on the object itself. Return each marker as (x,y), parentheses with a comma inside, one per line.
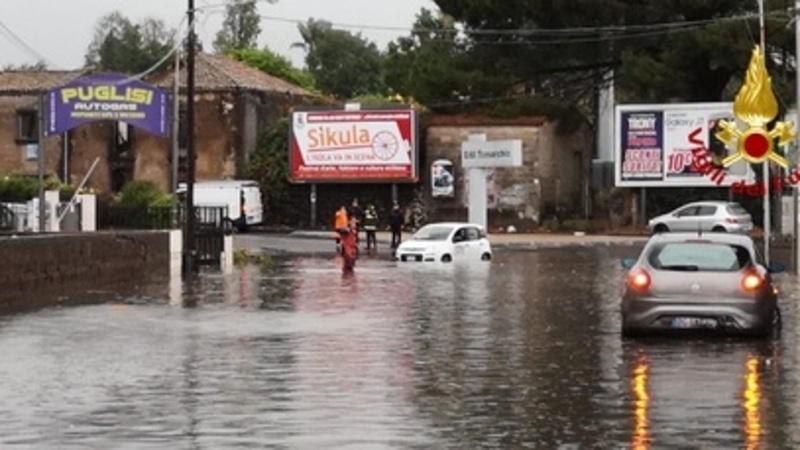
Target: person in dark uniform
(355,212)
(396,225)
(370,227)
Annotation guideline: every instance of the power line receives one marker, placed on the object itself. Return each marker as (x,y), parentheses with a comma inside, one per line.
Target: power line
(22,45)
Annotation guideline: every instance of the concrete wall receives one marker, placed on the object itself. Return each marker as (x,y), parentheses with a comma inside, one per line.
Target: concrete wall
(37,269)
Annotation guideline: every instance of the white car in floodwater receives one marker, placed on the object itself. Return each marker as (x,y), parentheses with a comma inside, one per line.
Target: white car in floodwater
(446,242)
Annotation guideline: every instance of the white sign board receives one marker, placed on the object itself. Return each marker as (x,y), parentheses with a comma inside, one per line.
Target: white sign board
(655,145)
(491,153)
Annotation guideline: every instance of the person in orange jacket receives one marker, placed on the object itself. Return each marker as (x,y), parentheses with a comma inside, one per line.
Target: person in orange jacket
(340,222)
(349,246)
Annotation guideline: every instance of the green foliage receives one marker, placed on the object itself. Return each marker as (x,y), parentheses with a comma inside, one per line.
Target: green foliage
(429,64)
(241,26)
(18,188)
(142,194)
(688,51)
(120,45)
(269,165)
(343,64)
(243,257)
(39,66)
(273,64)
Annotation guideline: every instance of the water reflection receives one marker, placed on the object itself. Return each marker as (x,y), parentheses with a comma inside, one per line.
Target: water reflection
(641,405)
(524,352)
(751,403)
(685,394)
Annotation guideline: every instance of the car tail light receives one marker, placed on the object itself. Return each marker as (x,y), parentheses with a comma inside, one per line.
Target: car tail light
(752,282)
(732,220)
(639,280)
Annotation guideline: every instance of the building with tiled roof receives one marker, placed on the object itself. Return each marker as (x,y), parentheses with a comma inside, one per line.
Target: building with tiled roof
(234,104)
(218,73)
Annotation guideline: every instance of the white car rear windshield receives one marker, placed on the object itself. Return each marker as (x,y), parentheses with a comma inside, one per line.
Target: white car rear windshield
(433,233)
(694,256)
(736,209)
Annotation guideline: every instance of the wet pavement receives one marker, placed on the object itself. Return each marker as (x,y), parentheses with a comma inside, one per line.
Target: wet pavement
(522,352)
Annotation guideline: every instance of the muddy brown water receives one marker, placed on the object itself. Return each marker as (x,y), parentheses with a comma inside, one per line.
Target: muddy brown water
(524,352)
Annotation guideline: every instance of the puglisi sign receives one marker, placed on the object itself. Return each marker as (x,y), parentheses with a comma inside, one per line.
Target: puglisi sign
(107,97)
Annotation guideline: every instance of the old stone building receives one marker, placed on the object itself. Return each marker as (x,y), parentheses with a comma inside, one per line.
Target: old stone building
(553,181)
(233,102)
(19,122)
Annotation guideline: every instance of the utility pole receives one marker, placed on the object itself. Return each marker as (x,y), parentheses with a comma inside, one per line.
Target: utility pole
(765,164)
(189,247)
(796,159)
(40,160)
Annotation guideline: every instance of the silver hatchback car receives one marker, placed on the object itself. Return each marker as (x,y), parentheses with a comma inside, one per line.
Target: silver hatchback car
(704,216)
(700,281)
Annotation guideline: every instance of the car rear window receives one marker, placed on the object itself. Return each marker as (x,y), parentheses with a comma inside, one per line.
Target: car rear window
(736,209)
(695,256)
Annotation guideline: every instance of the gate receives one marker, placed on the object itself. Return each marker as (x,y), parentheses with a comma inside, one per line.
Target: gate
(210,234)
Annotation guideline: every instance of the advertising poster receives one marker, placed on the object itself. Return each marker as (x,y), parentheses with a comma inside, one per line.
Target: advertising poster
(655,145)
(642,145)
(353,146)
(442,178)
(107,96)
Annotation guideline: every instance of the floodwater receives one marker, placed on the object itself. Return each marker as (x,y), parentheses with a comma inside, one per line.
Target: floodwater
(522,352)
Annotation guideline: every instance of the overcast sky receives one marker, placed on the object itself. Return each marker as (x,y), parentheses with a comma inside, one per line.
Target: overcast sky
(60,30)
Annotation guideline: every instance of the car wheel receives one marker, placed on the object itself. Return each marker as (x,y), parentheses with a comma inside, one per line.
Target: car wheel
(777,324)
(661,228)
(772,330)
(447,258)
(628,333)
(486,256)
(719,229)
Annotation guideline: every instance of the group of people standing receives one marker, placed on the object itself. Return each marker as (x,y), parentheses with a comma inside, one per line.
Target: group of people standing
(348,222)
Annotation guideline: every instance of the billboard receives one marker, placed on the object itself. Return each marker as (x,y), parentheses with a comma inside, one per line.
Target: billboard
(656,145)
(334,146)
(107,96)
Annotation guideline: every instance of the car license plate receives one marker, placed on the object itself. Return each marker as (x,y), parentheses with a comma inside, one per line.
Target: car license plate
(693,322)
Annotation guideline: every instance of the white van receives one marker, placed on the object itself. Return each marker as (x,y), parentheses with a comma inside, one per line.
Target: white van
(241,197)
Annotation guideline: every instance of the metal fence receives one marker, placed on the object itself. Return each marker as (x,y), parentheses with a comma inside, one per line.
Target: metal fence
(135,218)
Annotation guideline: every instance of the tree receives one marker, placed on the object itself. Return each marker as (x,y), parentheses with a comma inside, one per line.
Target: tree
(343,64)
(122,46)
(687,50)
(241,26)
(269,165)
(39,66)
(275,65)
(429,65)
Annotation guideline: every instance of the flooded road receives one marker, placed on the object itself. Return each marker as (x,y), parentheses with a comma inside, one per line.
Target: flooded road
(524,352)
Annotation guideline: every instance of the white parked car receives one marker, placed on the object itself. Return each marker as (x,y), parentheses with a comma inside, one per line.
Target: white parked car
(446,242)
(710,215)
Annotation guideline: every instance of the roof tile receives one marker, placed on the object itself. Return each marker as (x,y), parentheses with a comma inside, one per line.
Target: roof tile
(220,73)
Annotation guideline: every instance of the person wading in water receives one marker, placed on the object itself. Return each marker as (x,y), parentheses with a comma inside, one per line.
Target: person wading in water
(349,240)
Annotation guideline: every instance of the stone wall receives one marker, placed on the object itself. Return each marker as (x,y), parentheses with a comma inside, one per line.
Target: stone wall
(37,269)
(551,182)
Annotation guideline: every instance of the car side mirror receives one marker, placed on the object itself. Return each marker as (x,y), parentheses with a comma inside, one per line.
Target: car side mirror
(628,262)
(776,267)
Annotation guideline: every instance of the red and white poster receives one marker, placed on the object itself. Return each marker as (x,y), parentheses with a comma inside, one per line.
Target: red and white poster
(353,146)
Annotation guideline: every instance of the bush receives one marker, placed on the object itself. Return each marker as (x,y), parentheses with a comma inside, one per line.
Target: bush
(18,188)
(141,194)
